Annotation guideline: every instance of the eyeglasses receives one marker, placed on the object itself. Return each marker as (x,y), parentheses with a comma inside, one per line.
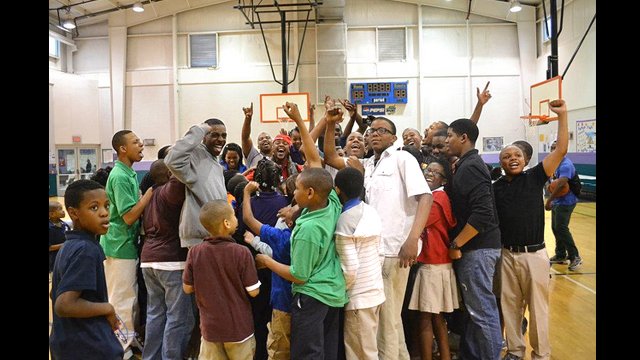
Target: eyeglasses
(429,171)
(381,131)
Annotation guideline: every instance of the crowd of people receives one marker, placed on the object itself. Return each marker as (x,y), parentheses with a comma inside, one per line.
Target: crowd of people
(292,250)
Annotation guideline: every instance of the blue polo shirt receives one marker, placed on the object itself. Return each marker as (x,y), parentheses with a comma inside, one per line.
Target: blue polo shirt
(280,242)
(565,169)
(79,267)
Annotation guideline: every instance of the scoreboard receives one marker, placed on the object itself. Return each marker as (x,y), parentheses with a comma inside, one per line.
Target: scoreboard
(379,93)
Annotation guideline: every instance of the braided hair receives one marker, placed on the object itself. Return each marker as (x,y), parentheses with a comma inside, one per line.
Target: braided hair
(268,175)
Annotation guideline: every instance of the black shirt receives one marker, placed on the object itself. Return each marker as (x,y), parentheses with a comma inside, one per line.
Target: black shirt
(521,207)
(472,202)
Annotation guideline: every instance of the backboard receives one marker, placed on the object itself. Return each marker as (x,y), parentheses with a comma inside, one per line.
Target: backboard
(541,94)
(272,106)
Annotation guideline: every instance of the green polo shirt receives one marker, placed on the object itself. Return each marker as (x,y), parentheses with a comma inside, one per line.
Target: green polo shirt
(314,258)
(123,193)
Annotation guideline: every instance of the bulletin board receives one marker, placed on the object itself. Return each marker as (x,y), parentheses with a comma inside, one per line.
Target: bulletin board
(586,135)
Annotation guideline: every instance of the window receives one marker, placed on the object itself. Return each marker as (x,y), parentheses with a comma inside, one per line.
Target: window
(546,29)
(203,50)
(392,44)
(54,47)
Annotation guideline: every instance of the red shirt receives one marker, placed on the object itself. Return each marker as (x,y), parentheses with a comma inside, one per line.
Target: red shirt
(220,270)
(435,236)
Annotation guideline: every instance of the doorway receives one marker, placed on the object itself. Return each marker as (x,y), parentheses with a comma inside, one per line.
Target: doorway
(75,162)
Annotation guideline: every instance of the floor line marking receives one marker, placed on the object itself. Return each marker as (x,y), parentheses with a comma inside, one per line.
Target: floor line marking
(575,282)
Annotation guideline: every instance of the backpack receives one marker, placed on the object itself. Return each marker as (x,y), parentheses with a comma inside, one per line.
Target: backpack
(575,185)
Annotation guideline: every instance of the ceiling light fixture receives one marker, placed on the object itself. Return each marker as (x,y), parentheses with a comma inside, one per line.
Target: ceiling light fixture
(69,24)
(515,6)
(137,7)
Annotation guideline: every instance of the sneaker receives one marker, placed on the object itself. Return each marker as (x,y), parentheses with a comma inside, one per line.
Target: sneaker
(510,356)
(558,260)
(575,263)
(128,354)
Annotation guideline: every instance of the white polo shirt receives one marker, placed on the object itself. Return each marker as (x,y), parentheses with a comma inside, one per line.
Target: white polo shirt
(391,187)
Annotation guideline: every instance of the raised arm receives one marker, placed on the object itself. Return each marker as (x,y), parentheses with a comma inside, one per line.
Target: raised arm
(331,157)
(553,160)
(483,98)
(178,160)
(308,144)
(247,214)
(312,118)
(245,136)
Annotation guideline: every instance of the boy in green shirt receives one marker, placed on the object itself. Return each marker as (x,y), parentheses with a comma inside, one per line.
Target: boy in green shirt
(319,290)
(119,243)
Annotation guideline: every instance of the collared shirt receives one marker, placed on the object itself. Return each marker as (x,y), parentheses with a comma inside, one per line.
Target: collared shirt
(391,188)
(473,202)
(123,194)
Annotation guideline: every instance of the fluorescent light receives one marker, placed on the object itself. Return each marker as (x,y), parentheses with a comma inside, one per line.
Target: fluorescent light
(69,24)
(137,7)
(515,6)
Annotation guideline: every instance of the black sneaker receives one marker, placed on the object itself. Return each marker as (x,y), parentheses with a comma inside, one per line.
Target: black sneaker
(510,356)
(558,260)
(575,263)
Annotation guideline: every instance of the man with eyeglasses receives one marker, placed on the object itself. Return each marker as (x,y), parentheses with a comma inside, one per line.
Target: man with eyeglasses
(395,187)
(194,161)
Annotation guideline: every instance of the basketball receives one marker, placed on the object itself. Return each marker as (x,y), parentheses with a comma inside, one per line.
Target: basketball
(563,191)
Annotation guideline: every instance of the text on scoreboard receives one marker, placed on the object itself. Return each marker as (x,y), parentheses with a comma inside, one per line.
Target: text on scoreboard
(379,93)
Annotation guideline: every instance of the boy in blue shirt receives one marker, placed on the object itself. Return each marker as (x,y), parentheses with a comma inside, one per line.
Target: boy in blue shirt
(57,228)
(83,319)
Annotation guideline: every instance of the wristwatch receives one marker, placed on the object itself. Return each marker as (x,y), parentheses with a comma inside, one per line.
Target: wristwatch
(453,245)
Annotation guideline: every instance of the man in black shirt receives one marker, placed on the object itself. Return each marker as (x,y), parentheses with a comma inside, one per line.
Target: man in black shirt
(525,262)
(476,243)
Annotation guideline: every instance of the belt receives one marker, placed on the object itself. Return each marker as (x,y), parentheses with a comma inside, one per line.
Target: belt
(524,248)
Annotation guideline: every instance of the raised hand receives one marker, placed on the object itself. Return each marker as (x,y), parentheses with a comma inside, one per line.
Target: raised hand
(292,110)
(251,187)
(558,106)
(335,115)
(351,108)
(329,103)
(485,95)
(248,112)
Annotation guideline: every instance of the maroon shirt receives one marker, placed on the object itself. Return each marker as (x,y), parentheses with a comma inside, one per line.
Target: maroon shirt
(220,270)
(161,220)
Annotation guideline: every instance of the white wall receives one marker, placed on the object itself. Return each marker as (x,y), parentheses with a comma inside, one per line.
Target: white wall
(75,108)
(579,83)
(455,60)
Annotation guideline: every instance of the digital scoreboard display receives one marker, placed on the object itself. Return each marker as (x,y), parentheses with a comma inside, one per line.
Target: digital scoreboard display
(379,93)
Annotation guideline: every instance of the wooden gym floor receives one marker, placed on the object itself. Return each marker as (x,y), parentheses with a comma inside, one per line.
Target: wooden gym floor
(572,318)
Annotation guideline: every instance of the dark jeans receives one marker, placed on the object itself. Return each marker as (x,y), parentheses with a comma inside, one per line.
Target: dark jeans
(481,338)
(560,217)
(314,329)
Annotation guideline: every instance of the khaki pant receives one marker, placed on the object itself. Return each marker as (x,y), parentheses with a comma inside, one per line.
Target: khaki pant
(360,331)
(227,350)
(525,282)
(279,338)
(122,287)
(391,344)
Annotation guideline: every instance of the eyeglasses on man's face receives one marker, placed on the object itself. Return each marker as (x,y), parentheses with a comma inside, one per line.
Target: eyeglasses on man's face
(380,131)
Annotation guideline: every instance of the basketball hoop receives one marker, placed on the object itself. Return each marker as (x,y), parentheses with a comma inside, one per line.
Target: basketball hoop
(535,120)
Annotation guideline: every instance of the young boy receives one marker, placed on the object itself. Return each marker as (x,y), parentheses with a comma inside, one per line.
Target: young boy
(361,255)
(220,272)
(83,319)
(319,290)
(57,228)
(525,262)
(275,242)
(120,241)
